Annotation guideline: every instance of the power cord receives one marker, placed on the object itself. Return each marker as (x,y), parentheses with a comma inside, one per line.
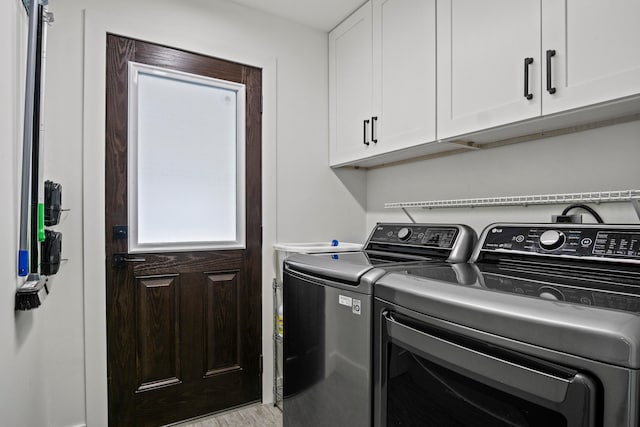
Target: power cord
(593,213)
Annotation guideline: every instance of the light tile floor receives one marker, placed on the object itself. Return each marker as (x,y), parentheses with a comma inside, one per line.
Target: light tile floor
(247,416)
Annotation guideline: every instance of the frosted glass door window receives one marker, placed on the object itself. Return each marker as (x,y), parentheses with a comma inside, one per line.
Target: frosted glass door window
(186,161)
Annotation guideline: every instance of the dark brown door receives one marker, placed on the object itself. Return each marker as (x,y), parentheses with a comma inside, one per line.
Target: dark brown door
(183,328)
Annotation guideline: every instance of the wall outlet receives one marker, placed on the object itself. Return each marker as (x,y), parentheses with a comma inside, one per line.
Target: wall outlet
(573,219)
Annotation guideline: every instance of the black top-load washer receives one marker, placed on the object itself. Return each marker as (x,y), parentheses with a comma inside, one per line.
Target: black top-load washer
(548,332)
(327,318)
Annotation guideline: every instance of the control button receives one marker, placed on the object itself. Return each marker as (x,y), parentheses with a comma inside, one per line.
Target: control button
(586,242)
(420,236)
(356,308)
(404,233)
(585,300)
(389,233)
(551,239)
(519,238)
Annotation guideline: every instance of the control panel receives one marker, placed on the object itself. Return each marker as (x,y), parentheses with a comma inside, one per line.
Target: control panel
(580,240)
(422,235)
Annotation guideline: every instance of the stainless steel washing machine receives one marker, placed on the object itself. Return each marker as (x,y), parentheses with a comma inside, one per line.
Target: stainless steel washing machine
(547,335)
(328,325)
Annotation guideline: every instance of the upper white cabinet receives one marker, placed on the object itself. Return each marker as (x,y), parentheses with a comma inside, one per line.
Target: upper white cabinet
(505,61)
(397,109)
(505,69)
(597,52)
(482,75)
(350,87)
(404,72)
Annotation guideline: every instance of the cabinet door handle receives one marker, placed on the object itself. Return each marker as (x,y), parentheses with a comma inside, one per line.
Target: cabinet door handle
(374,120)
(527,62)
(550,54)
(364,132)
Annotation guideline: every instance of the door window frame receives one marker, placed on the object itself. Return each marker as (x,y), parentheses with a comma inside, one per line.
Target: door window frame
(134,245)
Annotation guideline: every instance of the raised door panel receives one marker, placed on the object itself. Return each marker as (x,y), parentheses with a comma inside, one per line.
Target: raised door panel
(404,73)
(482,48)
(158,329)
(221,330)
(350,88)
(597,51)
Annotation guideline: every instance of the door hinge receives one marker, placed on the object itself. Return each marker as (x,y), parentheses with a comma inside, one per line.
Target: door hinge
(261,103)
(261,364)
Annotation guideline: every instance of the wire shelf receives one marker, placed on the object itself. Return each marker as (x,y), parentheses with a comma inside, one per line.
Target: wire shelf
(540,199)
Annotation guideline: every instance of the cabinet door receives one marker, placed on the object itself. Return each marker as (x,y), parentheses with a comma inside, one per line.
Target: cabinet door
(404,73)
(597,51)
(350,87)
(482,46)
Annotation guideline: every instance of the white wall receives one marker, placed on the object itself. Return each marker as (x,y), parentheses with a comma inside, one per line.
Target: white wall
(21,351)
(313,202)
(597,160)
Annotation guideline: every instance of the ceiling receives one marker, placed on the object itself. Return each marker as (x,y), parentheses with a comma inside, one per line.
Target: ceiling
(320,14)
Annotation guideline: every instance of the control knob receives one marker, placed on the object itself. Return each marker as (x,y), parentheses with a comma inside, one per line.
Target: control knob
(552,239)
(404,233)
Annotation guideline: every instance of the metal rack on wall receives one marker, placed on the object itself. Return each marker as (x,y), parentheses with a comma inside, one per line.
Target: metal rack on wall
(632,196)
(39,248)
(277,345)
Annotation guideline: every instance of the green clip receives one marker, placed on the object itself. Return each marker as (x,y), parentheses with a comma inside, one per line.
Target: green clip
(41,222)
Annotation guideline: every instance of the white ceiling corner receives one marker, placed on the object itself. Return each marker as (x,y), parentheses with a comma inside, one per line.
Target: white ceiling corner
(319,14)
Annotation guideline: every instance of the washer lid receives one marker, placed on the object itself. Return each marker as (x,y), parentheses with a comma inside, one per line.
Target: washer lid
(346,267)
(610,336)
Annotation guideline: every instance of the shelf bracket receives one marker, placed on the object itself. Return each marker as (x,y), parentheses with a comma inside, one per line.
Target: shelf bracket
(409,215)
(635,202)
